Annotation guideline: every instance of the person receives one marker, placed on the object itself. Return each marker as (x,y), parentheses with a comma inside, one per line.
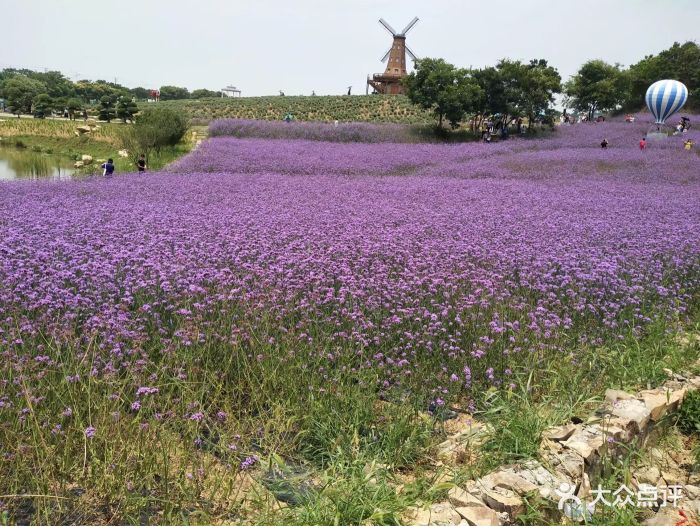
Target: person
(141,163)
(643,143)
(604,144)
(688,145)
(108,168)
(85,115)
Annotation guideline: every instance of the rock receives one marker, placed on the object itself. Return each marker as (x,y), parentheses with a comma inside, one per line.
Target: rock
(634,411)
(648,475)
(87,159)
(612,395)
(560,433)
(568,464)
(123,153)
(677,397)
(78,164)
(83,129)
(586,442)
(668,372)
(584,489)
(511,481)
(505,501)
(656,401)
(441,514)
(692,492)
(461,498)
(479,516)
(665,517)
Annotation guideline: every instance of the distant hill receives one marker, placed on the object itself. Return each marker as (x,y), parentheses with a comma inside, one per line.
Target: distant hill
(360,108)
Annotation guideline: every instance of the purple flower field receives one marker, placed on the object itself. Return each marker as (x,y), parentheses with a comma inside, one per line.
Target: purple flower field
(256,272)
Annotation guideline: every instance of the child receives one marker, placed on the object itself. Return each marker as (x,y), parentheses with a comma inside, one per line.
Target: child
(604,144)
(108,168)
(643,143)
(141,163)
(688,145)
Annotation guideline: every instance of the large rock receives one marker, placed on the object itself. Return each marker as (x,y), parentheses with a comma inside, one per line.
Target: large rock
(510,480)
(586,441)
(666,517)
(648,475)
(612,395)
(632,411)
(87,159)
(506,501)
(460,498)
(441,514)
(479,516)
(560,433)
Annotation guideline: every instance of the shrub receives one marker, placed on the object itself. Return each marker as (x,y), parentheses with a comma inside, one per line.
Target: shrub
(158,127)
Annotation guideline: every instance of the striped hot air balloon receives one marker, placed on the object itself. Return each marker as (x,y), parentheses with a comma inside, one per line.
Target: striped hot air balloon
(666,97)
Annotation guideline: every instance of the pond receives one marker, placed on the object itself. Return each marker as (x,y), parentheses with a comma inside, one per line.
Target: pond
(23,164)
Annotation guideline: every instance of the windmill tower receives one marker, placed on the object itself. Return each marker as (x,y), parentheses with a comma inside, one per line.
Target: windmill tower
(389,82)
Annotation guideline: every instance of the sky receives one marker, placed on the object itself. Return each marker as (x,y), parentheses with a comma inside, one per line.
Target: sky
(300,46)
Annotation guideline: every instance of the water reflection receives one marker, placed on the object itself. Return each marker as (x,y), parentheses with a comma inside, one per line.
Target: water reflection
(16,164)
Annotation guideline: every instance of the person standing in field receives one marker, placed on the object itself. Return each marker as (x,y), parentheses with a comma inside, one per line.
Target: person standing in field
(688,145)
(141,163)
(604,144)
(643,143)
(108,168)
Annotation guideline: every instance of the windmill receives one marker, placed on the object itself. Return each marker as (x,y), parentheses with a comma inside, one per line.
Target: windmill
(389,82)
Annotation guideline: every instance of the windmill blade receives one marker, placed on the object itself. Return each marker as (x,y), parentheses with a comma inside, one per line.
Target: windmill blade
(387,55)
(409,26)
(411,53)
(387,26)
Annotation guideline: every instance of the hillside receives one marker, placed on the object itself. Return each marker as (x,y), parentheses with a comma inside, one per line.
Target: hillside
(364,108)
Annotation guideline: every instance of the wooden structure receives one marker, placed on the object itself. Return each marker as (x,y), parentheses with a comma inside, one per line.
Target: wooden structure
(389,82)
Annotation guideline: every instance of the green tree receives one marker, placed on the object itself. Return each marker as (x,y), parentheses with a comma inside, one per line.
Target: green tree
(598,86)
(42,106)
(107,112)
(158,127)
(140,93)
(530,88)
(448,92)
(74,105)
(173,93)
(204,93)
(679,62)
(20,92)
(126,109)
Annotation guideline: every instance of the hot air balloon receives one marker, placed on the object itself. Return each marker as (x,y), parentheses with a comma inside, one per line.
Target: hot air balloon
(666,97)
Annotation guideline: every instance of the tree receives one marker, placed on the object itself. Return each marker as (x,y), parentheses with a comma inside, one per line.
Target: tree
(156,128)
(173,93)
(41,106)
(74,105)
(598,86)
(679,62)
(20,92)
(533,88)
(438,86)
(204,93)
(126,109)
(140,93)
(107,108)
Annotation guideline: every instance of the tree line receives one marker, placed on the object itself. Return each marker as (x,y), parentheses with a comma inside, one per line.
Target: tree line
(40,93)
(513,90)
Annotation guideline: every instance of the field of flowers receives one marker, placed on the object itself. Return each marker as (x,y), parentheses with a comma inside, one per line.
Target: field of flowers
(370,108)
(160,336)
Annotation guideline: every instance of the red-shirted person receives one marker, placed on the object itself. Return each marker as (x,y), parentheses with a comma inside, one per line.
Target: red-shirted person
(643,143)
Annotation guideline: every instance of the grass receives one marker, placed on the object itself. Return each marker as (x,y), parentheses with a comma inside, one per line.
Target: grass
(58,138)
(362,108)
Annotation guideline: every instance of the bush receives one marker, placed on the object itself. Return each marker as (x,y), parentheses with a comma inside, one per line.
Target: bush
(158,127)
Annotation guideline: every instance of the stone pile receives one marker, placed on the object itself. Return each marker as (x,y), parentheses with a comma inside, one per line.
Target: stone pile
(569,454)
